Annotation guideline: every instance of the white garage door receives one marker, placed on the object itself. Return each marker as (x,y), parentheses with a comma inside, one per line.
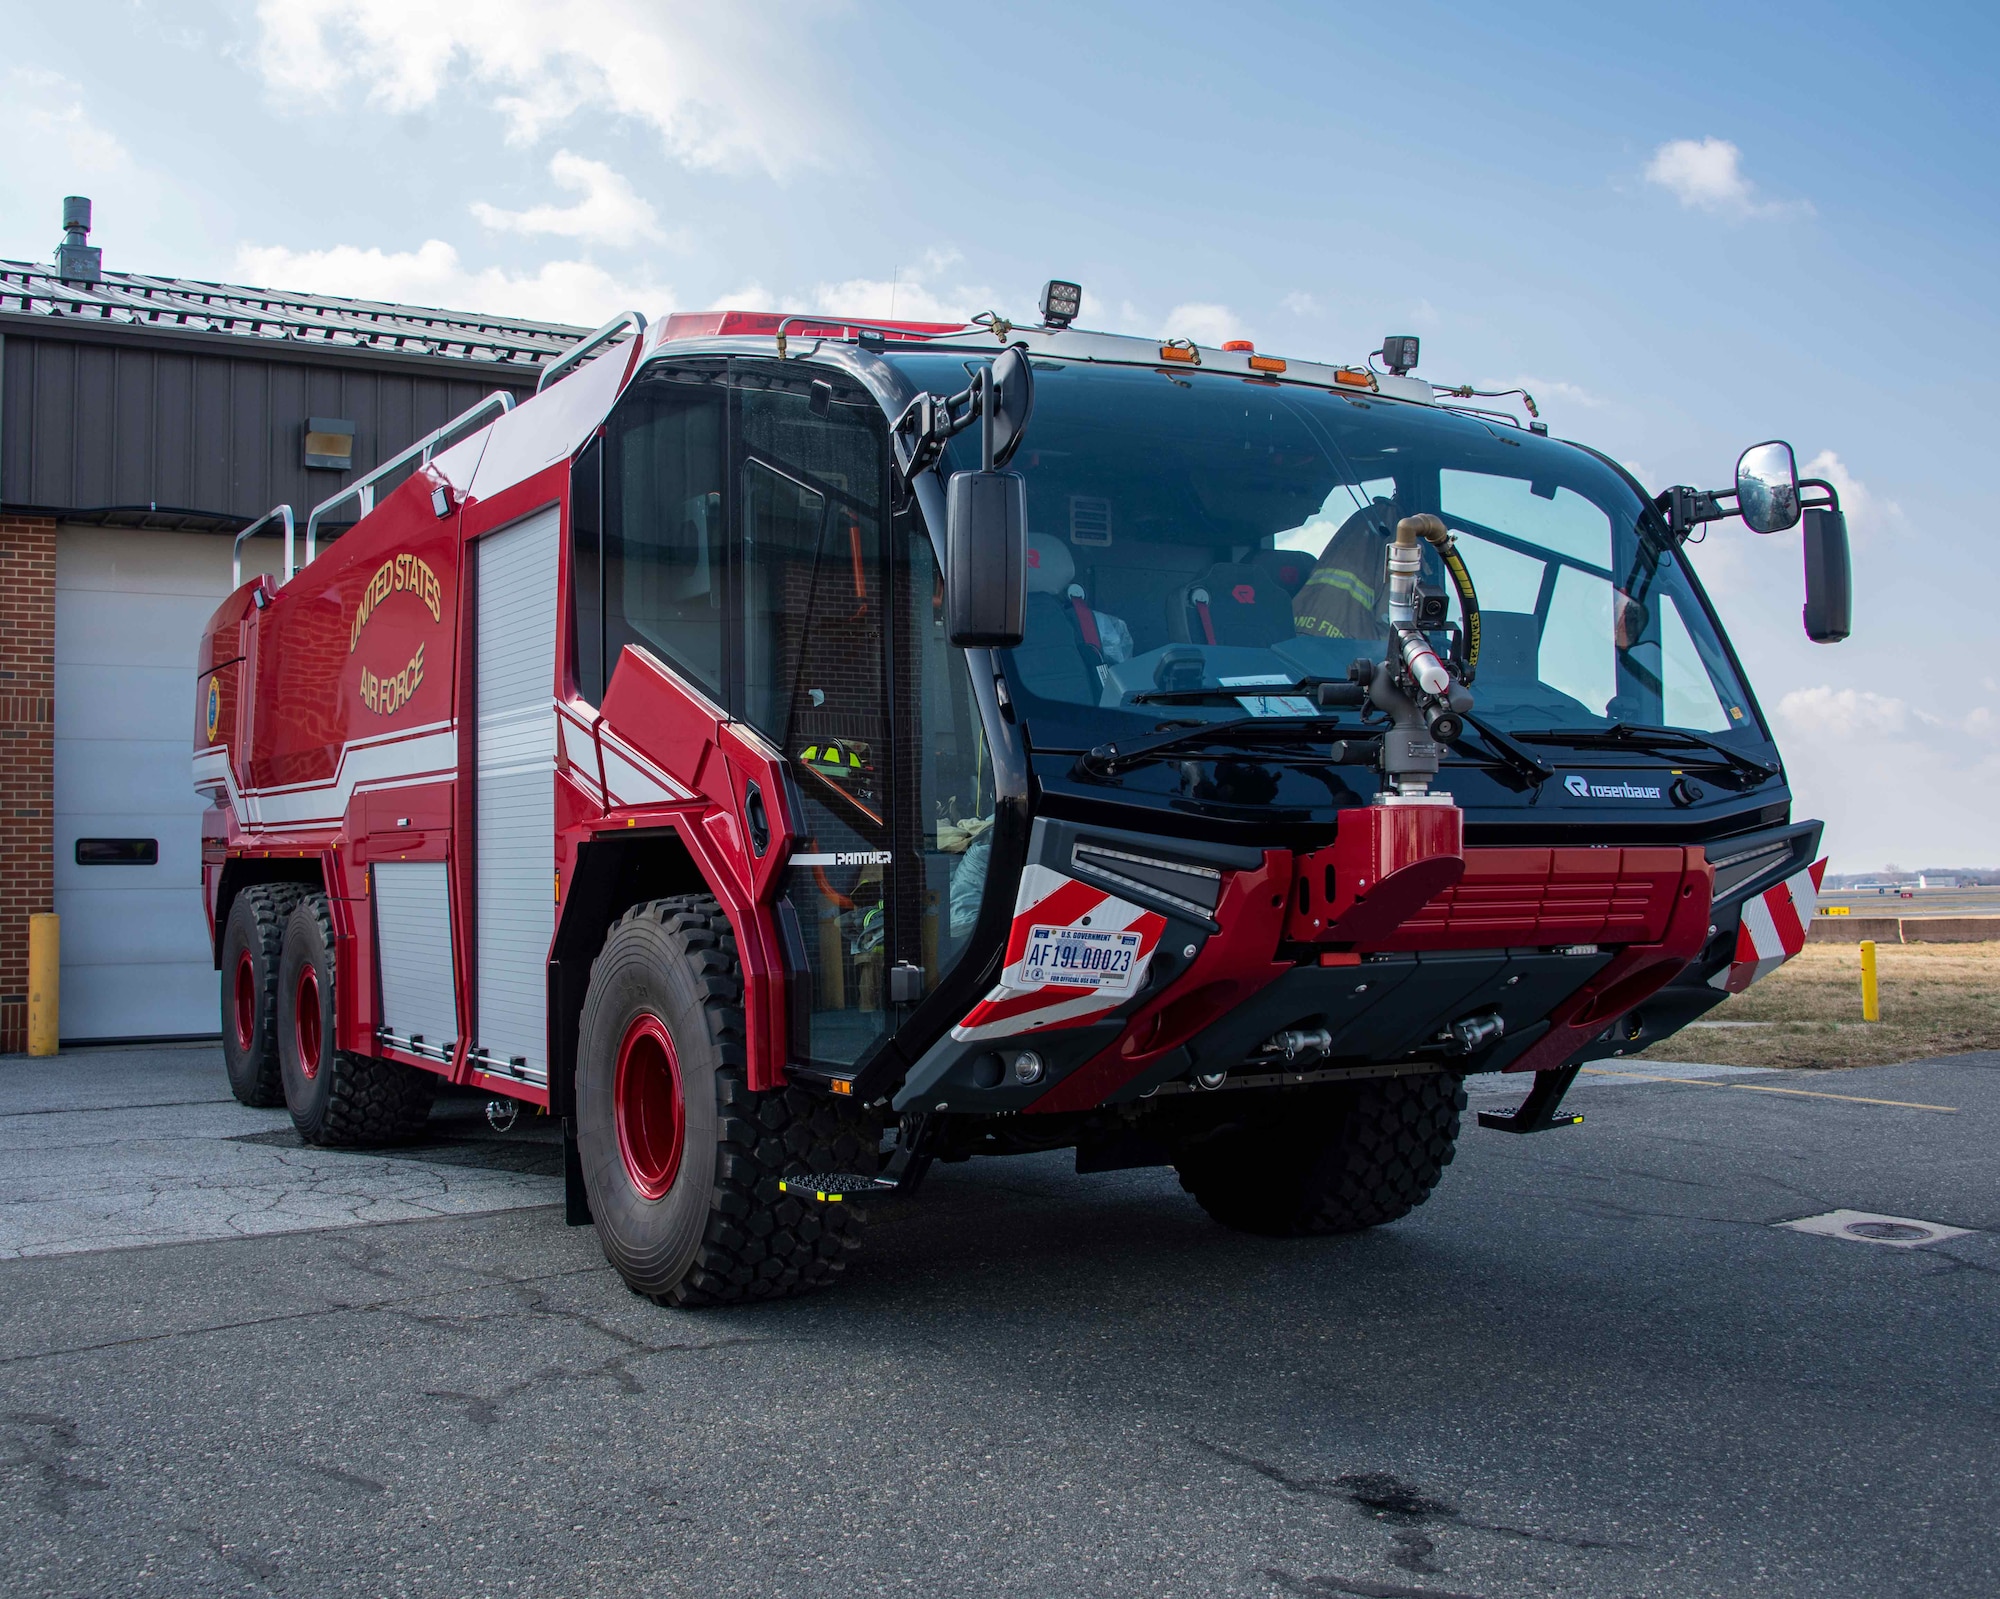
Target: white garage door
(129,610)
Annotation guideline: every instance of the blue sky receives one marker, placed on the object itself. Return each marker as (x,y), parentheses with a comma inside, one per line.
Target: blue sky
(1686,229)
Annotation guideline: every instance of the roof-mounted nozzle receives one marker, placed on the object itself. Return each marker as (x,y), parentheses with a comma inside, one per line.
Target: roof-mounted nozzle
(76,261)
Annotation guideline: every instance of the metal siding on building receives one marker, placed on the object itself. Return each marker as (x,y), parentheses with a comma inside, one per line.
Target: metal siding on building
(413,946)
(515,573)
(95,425)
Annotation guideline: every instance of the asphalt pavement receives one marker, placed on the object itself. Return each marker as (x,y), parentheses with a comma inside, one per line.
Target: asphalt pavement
(1596,1363)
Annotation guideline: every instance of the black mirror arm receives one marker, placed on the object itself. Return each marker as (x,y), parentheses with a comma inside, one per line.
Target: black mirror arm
(1830,503)
(927,421)
(1684,509)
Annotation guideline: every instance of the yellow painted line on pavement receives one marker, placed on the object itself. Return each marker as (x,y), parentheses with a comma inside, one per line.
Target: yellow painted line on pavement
(1759,1088)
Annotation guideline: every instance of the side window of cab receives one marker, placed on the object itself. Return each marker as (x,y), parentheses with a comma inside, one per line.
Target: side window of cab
(649,543)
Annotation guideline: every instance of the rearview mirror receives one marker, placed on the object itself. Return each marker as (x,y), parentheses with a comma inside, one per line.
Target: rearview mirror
(1829,612)
(1767,487)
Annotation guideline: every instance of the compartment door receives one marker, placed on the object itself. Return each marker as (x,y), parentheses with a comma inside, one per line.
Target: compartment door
(414,956)
(515,580)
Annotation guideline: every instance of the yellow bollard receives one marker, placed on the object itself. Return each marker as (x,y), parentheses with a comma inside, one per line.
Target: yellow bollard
(44,981)
(1871,997)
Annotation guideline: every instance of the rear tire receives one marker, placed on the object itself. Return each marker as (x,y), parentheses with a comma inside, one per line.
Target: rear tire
(253,939)
(336,1099)
(681,1160)
(1369,1156)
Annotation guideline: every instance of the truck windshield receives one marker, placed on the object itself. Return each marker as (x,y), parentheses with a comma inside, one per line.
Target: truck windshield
(1195,532)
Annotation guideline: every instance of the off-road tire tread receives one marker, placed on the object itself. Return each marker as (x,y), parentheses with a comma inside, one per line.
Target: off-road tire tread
(370,1102)
(272,904)
(1378,1160)
(759,1243)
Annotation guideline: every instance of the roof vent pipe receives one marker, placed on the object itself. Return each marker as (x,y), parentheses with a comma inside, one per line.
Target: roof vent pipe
(76,261)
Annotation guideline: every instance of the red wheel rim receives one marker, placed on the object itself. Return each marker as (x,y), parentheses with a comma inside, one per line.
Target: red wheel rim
(246,1002)
(652,1117)
(305,1022)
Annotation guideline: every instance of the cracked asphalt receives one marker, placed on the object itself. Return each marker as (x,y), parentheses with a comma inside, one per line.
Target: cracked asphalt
(1591,1365)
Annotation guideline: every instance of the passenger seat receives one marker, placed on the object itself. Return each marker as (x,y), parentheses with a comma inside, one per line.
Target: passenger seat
(1059,657)
(1232,603)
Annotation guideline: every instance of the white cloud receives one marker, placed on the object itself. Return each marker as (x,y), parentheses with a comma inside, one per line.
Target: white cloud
(1299,303)
(1865,511)
(909,294)
(1202,322)
(1555,388)
(433,275)
(610,212)
(709,80)
(49,128)
(1707,175)
(1857,713)
(1827,712)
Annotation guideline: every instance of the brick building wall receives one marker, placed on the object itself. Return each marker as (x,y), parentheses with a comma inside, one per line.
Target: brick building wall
(27,753)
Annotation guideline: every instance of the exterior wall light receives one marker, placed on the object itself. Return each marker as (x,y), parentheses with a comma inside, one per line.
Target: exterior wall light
(329,444)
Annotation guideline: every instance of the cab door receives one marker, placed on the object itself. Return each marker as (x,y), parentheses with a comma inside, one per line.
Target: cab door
(811,673)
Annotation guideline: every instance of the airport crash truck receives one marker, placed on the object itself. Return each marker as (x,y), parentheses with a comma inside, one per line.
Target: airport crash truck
(793,751)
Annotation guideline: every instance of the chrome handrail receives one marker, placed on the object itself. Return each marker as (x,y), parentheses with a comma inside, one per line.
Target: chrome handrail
(844,323)
(574,355)
(284,513)
(363,488)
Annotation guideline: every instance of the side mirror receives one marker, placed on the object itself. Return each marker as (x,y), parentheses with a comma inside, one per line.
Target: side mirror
(1767,487)
(986,559)
(1829,612)
(986,516)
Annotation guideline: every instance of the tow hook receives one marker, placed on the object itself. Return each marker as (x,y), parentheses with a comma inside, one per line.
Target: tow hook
(1294,1043)
(1472,1033)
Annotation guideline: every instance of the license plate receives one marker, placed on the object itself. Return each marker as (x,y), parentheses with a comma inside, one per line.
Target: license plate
(1081,957)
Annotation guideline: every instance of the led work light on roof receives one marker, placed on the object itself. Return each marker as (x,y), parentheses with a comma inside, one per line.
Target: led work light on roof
(1399,352)
(1060,303)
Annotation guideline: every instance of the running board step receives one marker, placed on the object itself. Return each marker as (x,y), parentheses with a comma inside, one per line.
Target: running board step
(831,1187)
(1539,1112)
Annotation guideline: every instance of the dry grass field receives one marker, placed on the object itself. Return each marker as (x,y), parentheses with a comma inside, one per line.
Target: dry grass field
(1937,999)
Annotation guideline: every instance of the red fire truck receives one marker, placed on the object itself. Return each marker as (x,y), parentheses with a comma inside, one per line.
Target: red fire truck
(793,751)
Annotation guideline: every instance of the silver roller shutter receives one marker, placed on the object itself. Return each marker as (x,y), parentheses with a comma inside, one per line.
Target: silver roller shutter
(515,573)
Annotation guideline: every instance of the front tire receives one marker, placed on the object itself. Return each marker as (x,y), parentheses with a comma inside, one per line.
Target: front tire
(336,1099)
(681,1160)
(253,940)
(1367,1155)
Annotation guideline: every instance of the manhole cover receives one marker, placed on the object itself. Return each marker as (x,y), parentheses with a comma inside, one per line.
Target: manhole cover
(1864,1227)
(1886,1232)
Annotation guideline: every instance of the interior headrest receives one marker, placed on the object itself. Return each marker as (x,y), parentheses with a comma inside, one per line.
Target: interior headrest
(1051,567)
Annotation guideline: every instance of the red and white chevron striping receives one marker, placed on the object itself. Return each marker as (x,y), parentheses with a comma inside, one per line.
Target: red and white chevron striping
(1049,899)
(1773,929)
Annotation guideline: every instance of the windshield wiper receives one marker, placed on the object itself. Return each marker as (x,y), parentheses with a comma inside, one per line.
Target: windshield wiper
(1517,760)
(1657,740)
(1107,760)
